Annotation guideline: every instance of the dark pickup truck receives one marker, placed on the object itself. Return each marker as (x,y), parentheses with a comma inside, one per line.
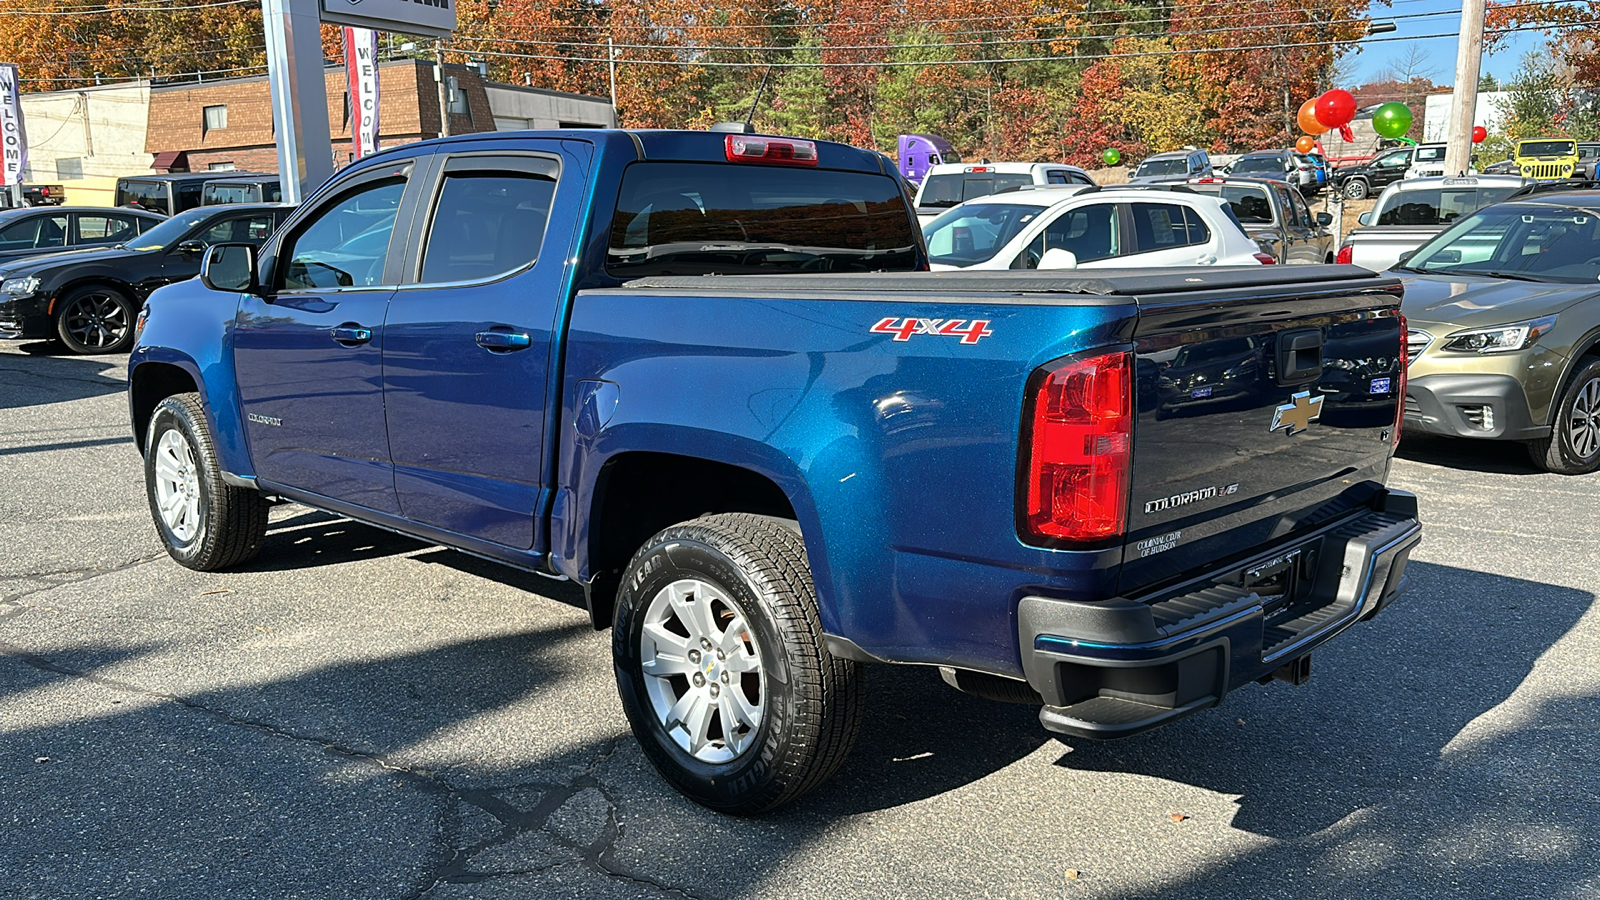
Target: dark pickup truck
(705,377)
(34,195)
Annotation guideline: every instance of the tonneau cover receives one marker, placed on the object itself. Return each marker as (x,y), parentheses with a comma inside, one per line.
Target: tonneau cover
(1102,282)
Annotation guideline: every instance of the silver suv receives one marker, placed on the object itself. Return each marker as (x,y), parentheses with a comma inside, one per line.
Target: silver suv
(1190,162)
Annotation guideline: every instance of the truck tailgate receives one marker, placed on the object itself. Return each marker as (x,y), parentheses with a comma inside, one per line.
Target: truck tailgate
(1259,417)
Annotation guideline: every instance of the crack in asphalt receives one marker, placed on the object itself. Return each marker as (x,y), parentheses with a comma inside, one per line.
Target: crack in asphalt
(87,573)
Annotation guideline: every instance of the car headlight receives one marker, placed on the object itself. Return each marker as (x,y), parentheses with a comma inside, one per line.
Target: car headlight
(19,287)
(1502,339)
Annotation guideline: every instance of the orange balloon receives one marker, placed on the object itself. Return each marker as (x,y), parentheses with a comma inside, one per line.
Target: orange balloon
(1308,118)
(1306,144)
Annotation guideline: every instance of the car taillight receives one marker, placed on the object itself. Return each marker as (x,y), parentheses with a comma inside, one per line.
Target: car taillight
(1346,255)
(1266,259)
(779,151)
(1400,393)
(1079,449)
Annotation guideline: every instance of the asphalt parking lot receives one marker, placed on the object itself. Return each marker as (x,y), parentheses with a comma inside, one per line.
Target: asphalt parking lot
(357,714)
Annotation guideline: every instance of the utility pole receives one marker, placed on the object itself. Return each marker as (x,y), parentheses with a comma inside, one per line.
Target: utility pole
(444,99)
(1464,99)
(611,60)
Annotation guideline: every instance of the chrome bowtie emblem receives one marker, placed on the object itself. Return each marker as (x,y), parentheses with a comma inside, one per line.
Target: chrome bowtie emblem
(1298,414)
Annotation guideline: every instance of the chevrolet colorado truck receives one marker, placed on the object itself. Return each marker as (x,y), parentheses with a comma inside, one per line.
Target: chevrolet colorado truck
(706,377)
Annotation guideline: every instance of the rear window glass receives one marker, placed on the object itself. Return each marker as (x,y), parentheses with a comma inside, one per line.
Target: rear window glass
(1259,165)
(231,193)
(1155,168)
(945,191)
(1437,206)
(702,218)
(1167,226)
(151,195)
(1248,202)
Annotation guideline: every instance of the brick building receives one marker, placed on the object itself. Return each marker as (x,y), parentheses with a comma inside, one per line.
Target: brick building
(223,125)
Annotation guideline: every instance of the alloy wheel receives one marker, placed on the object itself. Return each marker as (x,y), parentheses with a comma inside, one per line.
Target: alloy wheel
(1583,424)
(178,486)
(97,320)
(702,670)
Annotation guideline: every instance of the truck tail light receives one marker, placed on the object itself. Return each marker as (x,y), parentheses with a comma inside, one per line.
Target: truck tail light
(1346,255)
(777,151)
(1266,259)
(1400,392)
(1079,446)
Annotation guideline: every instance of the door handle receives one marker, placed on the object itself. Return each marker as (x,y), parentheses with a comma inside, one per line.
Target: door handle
(1207,260)
(503,341)
(351,334)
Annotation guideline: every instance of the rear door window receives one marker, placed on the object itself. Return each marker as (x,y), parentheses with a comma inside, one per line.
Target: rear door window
(95,228)
(238,230)
(489,221)
(700,218)
(1167,226)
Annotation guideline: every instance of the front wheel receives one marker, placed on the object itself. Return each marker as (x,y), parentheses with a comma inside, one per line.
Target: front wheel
(721,665)
(205,523)
(1356,189)
(96,319)
(1573,447)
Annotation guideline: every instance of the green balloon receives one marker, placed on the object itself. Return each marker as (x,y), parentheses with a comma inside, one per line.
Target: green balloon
(1391,120)
(1112,156)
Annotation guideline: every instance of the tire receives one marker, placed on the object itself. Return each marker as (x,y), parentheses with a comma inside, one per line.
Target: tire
(205,523)
(1356,189)
(801,706)
(1573,447)
(96,319)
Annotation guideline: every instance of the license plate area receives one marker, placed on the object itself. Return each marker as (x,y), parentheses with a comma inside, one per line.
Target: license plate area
(1275,580)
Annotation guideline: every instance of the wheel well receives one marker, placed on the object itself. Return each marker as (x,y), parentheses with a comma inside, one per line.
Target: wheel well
(89,282)
(151,384)
(639,494)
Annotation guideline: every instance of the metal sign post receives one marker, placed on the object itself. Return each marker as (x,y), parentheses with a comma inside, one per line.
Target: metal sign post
(295,73)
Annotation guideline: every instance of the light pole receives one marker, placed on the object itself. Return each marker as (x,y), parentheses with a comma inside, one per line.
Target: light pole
(1464,99)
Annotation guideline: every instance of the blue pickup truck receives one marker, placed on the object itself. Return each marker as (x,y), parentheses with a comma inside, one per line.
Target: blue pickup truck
(706,377)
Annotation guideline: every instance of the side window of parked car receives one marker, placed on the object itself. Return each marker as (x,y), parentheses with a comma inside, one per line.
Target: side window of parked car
(487,223)
(105,229)
(1167,226)
(1291,216)
(1057,176)
(35,233)
(1301,210)
(346,243)
(242,230)
(1090,232)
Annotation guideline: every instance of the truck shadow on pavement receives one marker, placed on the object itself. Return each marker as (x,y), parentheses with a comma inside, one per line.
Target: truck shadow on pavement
(1385,738)
(43,373)
(1497,457)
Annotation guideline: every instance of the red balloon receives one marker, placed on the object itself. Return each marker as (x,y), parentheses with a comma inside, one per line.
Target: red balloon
(1336,108)
(1479,134)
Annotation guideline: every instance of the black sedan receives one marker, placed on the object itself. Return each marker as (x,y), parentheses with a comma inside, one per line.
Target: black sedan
(55,229)
(89,298)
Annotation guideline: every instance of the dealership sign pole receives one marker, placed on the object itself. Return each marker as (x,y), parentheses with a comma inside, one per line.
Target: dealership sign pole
(361,67)
(13,136)
(294,71)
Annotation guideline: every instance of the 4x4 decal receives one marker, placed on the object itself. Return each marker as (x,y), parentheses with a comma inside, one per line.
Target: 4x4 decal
(902,329)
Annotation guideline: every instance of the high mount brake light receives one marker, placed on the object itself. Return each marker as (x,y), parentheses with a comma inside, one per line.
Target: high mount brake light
(776,151)
(1080,449)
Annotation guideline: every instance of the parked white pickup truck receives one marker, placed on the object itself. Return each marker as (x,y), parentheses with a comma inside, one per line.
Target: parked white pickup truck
(1411,212)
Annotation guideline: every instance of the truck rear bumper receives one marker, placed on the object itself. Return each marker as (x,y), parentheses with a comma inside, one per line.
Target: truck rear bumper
(1116,668)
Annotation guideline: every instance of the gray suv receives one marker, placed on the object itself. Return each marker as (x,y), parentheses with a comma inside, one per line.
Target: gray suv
(1190,162)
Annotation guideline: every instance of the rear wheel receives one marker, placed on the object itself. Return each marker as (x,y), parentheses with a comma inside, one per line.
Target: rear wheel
(204,522)
(96,319)
(1573,447)
(721,665)
(1356,189)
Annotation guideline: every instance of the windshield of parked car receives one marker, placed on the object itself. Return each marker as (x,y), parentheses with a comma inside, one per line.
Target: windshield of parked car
(165,234)
(701,218)
(1527,241)
(1156,168)
(1258,165)
(1545,148)
(1437,206)
(974,233)
(945,191)
(1248,202)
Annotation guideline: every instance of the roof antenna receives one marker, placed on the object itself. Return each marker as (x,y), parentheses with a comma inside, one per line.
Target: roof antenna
(746,127)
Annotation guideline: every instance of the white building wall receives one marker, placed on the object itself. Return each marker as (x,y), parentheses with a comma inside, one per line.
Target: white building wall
(516,108)
(86,139)
(1436,117)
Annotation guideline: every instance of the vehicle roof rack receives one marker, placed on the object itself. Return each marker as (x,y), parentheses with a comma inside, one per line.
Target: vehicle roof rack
(1546,187)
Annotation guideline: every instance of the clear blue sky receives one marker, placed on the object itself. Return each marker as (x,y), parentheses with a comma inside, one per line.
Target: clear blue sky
(1377,55)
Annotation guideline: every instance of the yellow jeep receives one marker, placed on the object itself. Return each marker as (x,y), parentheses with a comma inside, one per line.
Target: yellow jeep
(1547,159)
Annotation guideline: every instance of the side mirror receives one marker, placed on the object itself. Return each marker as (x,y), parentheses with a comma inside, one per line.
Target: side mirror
(1365,218)
(1324,219)
(1057,258)
(230,268)
(192,248)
